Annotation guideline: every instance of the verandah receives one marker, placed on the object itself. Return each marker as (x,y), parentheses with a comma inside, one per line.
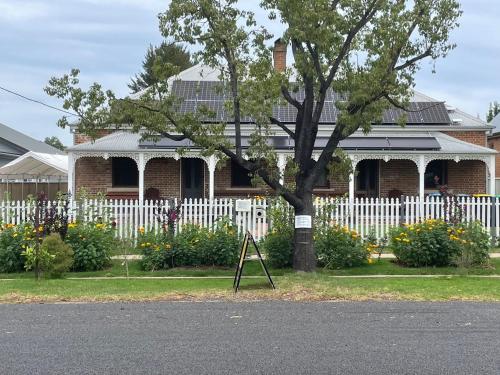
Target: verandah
(368,216)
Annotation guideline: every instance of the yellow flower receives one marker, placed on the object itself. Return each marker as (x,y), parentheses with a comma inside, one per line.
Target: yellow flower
(168,246)
(370,260)
(72,225)
(406,240)
(141,230)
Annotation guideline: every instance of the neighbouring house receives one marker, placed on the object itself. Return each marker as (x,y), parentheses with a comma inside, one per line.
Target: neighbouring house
(494,143)
(440,144)
(14,144)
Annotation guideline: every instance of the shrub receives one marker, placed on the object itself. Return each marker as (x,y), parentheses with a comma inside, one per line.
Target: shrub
(222,245)
(188,246)
(424,244)
(91,244)
(338,247)
(192,246)
(278,247)
(278,243)
(31,257)
(61,255)
(156,250)
(474,244)
(13,241)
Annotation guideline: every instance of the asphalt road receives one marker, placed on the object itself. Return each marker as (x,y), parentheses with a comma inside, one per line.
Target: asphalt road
(250,338)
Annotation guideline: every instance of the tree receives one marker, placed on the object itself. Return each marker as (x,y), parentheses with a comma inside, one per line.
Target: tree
(366,50)
(55,142)
(162,54)
(493,111)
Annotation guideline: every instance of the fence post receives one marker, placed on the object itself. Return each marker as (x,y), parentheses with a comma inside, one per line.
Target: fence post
(493,220)
(402,209)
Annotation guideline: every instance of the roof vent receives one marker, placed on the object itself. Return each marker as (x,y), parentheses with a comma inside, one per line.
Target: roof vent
(457,120)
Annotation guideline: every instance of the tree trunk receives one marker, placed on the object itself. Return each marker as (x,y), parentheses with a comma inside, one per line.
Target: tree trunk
(304,257)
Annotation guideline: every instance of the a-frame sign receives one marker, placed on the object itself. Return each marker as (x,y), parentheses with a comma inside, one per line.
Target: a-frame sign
(241,263)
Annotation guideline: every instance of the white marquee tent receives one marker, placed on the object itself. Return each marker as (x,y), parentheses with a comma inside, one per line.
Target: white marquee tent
(31,169)
(35,165)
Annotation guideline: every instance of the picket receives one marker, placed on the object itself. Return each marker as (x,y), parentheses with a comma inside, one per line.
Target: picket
(367,216)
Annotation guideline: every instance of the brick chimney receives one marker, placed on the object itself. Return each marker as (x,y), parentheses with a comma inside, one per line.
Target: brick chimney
(279,55)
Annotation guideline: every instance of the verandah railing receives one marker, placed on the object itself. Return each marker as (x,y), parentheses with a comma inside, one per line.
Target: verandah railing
(365,215)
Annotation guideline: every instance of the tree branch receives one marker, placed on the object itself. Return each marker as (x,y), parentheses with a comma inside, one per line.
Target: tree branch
(173,136)
(317,65)
(367,16)
(409,62)
(402,107)
(260,170)
(289,98)
(285,128)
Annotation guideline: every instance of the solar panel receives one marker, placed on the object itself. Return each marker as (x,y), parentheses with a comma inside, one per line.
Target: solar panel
(214,96)
(351,143)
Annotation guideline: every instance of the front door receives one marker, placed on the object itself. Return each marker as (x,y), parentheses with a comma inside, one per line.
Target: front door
(367,179)
(192,178)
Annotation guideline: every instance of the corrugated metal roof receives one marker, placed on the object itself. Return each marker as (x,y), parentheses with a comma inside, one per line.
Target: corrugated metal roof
(25,142)
(117,141)
(409,141)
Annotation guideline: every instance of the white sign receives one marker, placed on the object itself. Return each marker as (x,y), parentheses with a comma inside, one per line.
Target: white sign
(243,205)
(303,221)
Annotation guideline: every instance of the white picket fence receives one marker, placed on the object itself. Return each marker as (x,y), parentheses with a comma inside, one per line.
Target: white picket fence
(365,215)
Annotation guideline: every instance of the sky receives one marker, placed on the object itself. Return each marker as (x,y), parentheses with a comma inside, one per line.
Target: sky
(107,40)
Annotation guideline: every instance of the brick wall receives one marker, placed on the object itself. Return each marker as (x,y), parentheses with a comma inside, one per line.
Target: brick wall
(93,174)
(164,175)
(79,138)
(223,186)
(398,175)
(467,177)
(475,137)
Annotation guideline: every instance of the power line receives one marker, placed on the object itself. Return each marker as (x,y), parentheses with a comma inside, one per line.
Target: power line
(38,102)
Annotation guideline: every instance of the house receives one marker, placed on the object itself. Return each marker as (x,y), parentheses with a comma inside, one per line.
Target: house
(14,144)
(440,144)
(494,143)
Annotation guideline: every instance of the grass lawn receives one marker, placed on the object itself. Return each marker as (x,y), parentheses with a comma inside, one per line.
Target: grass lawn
(291,286)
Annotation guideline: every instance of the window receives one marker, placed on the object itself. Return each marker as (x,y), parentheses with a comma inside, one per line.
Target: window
(125,173)
(240,177)
(436,174)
